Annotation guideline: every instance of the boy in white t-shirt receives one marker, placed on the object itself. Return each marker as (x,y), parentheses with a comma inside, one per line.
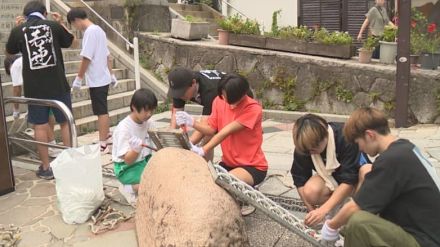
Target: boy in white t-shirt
(96,68)
(13,67)
(129,138)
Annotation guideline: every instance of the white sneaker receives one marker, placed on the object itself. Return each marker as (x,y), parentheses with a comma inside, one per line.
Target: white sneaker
(54,152)
(127,192)
(247,210)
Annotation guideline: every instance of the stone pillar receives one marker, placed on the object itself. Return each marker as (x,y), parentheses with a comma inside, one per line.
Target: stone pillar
(179,204)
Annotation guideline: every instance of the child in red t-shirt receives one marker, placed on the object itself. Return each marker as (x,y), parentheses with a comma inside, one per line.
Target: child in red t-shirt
(235,122)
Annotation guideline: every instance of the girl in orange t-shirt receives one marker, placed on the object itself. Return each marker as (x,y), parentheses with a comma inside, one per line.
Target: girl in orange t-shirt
(235,122)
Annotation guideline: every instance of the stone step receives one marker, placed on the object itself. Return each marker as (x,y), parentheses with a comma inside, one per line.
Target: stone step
(68,55)
(90,124)
(121,74)
(15,7)
(124,85)
(183,7)
(69,66)
(84,125)
(83,109)
(196,13)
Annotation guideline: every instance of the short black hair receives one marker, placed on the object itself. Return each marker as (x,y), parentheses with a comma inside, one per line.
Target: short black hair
(76,13)
(9,60)
(34,6)
(143,99)
(235,86)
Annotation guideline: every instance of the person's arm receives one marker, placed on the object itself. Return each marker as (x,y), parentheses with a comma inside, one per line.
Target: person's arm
(391,24)
(301,171)
(177,105)
(197,136)
(204,128)
(221,135)
(110,64)
(317,215)
(66,38)
(85,62)
(130,157)
(342,217)
(362,30)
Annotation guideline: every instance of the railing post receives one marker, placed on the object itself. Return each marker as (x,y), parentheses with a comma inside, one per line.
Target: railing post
(48,6)
(137,72)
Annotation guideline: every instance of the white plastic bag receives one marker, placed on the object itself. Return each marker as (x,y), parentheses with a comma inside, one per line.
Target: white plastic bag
(78,175)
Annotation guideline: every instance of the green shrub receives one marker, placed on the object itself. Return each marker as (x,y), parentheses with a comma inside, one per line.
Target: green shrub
(236,24)
(389,34)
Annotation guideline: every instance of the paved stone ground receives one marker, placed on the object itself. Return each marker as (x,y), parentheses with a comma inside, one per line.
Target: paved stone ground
(33,205)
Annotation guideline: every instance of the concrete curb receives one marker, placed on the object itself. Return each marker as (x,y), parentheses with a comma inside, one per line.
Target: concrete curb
(287,116)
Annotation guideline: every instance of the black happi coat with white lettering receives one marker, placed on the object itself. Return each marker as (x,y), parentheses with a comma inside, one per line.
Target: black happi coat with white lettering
(40,41)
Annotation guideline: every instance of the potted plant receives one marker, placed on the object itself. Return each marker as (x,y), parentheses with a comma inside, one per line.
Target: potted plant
(223,31)
(191,28)
(366,51)
(429,56)
(388,45)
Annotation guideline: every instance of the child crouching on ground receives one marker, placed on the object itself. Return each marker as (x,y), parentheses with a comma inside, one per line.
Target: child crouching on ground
(129,154)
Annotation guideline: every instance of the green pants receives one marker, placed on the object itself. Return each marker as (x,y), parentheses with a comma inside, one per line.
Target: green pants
(368,230)
(130,174)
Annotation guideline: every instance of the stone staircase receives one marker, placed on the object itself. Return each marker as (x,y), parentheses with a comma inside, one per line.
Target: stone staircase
(86,122)
(201,11)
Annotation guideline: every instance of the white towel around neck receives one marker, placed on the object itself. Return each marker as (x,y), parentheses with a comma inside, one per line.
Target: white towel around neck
(325,170)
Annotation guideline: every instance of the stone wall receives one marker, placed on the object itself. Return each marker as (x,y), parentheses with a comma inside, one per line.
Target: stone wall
(299,82)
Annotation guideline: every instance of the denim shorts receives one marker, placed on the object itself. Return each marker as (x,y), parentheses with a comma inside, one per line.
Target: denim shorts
(38,114)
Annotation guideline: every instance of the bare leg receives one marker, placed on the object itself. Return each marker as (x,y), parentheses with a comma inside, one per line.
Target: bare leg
(135,187)
(243,175)
(65,134)
(50,132)
(16,91)
(41,136)
(315,191)
(103,126)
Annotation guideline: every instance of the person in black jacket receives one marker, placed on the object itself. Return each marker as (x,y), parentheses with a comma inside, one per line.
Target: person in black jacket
(321,146)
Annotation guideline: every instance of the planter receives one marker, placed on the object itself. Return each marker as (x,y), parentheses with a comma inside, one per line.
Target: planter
(365,55)
(388,52)
(189,30)
(299,46)
(223,37)
(414,59)
(256,41)
(336,51)
(289,45)
(429,60)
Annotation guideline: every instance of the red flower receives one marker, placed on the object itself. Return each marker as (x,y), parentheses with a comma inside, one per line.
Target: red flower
(432,27)
(413,23)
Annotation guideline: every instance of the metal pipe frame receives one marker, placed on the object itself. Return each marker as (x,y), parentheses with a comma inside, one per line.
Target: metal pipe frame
(49,103)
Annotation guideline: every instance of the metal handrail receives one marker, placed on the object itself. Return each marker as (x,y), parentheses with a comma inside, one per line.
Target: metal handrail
(49,103)
(232,6)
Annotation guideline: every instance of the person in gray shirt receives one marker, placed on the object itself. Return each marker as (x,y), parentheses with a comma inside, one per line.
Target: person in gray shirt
(376,20)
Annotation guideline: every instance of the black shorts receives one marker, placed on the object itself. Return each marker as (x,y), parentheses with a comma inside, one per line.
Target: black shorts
(257,175)
(98,95)
(40,114)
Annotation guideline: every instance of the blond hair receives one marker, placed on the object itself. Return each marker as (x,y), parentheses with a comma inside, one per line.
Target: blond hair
(365,118)
(308,131)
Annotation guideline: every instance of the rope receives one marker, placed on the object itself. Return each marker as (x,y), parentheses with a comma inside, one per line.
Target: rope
(9,235)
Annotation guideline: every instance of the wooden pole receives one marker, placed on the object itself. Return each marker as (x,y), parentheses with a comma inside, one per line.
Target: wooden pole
(403,72)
